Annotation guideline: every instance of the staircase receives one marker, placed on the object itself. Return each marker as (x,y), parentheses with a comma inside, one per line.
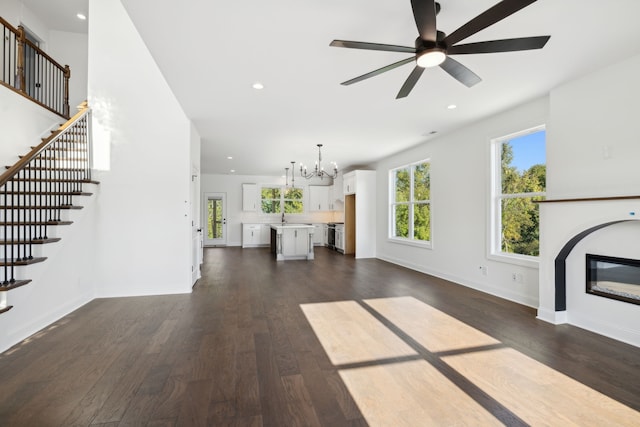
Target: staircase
(33,194)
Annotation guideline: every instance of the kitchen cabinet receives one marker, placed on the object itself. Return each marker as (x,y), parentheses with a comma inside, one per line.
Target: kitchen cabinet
(292,241)
(360,214)
(340,238)
(349,183)
(318,198)
(336,195)
(325,234)
(255,235)
(250,197)
(319,233)
(295,242)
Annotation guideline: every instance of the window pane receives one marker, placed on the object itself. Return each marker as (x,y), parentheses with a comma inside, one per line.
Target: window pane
(293,193)
(421,222)
(523,164)
(271,206)
(293,206)
(402,184)
(520,221)
(421,182)
(270,193)
(401,218)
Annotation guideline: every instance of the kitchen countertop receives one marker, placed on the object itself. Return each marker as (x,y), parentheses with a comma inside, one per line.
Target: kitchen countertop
(285,225)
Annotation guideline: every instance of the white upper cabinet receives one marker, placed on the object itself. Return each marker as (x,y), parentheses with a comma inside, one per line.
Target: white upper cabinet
(319,198)
(349,183)
(250,197)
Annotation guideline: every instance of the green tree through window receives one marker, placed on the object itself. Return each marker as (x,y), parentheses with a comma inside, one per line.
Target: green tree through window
(411,204)
(280,199)
(522,181)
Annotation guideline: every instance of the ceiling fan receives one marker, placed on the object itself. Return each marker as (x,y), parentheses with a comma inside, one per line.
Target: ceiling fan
(433,47)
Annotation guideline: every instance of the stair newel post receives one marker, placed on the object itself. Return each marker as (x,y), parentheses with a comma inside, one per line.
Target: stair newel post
(67,76)
(21,81)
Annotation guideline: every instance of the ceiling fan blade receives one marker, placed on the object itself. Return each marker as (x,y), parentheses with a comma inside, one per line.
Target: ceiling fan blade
(372,46)
(486,19)
(460,72)
(410,82)
(424,13)
(378,71)
(506,45)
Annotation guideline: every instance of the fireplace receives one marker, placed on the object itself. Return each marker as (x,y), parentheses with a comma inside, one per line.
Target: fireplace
(616,278)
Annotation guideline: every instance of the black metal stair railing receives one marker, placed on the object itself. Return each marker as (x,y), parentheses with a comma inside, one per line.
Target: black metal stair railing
(28,70)
(35,190)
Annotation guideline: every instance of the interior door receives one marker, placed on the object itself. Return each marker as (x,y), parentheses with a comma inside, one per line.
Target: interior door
(216,219)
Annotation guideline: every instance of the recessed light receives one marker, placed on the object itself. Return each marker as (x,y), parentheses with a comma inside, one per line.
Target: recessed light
(232,170)
(229,158)
(81,16)
(258,85)
(452,107)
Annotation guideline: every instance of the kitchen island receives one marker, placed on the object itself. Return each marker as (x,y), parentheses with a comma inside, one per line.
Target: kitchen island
(292,241)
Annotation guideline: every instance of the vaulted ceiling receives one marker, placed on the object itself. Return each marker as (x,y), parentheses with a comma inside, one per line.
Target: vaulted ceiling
(212,52)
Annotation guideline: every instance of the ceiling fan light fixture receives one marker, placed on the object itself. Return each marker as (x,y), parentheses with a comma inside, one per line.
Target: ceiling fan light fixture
(431,58)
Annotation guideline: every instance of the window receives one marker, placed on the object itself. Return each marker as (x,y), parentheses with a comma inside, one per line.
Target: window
(281,199)
(270,199)
(519,168)
(410,205)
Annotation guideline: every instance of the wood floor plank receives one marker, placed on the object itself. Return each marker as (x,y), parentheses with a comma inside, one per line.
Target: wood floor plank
(331,342)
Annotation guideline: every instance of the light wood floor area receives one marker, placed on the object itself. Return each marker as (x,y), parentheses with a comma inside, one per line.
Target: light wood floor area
(329,342)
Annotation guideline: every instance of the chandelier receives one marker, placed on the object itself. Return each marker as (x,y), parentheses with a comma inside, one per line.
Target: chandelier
(319,170)
(286,176)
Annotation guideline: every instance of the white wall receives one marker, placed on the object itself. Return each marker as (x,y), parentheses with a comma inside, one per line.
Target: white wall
(594,134)
(460,191)
(71,49)
(232,186)
(23,124)
(143,232)
(593,150)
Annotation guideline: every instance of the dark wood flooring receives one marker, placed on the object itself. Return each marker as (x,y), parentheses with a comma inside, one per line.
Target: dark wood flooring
(239,351)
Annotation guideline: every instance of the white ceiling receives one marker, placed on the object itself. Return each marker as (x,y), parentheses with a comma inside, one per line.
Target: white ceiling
(211,52)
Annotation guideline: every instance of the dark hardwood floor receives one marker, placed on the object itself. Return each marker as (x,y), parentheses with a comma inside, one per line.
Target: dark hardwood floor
(240,351)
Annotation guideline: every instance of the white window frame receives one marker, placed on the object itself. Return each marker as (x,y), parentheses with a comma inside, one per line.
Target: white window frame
(495,205)
(392,203)
(283,190)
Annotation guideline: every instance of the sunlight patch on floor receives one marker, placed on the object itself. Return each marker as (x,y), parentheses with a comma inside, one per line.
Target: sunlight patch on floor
(349,334)
(434,330)
(535,392)
(414,392)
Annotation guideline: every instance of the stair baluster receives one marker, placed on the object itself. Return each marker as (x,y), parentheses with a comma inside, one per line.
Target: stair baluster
(34,192)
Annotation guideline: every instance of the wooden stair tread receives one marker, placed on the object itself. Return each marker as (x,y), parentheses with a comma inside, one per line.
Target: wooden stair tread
(9,207)
(50,193)
(5,309)
(35,223)
(82,181)
(4,262)
(12,285)
(64,149)
(39,168)
(32,241)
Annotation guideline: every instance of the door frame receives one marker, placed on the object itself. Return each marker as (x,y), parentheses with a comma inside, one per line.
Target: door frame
(205,217)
